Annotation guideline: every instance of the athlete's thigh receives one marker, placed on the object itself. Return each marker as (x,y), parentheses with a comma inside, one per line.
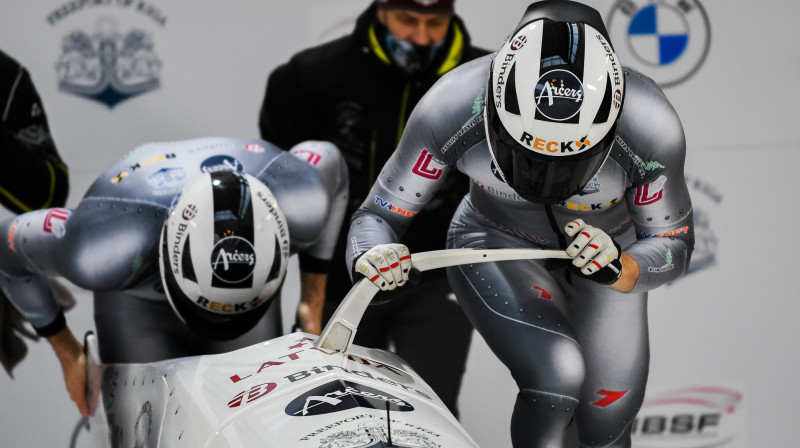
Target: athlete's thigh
(515,307)
(136,330)
(520,310)
(613,331)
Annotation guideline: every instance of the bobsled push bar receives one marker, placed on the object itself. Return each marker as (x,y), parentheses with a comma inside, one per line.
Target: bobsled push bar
(341,329)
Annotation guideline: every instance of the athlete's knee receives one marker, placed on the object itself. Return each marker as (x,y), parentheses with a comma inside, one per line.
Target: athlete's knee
(547,402)
(542,418)
(556,367)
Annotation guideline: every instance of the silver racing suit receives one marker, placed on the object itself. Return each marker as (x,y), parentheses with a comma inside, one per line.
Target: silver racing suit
(577,350)
(108,244)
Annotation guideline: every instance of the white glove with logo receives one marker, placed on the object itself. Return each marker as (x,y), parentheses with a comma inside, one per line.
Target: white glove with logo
(385,265)
(595,255)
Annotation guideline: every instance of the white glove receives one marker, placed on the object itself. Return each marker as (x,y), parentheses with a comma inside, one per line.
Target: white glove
(385,265)
(594,252)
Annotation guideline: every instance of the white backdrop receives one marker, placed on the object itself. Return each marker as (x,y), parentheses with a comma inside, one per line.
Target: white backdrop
(723,336)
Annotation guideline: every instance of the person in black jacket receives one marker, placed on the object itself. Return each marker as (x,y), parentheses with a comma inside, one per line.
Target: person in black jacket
(357,92)
(32,176)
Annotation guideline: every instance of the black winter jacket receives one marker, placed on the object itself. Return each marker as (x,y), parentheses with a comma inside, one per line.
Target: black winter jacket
(32,175)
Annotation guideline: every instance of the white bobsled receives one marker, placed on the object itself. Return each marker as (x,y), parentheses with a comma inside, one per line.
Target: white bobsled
(298,390)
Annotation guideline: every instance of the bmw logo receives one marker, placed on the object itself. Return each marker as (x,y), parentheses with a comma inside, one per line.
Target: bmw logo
(668,39)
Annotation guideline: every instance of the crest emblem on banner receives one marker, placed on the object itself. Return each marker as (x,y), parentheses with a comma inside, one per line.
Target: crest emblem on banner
(108,67)
(108,54)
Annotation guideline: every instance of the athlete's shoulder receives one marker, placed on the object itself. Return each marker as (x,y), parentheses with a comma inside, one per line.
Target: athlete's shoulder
(644,93)
(646,105)
(466,78)
(650,132)
(452,110)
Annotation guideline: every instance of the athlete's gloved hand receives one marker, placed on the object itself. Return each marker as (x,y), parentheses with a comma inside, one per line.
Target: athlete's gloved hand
(595,255)
(385,265)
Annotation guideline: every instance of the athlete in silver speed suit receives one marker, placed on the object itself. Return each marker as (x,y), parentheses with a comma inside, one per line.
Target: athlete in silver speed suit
(109,244)
(575,340)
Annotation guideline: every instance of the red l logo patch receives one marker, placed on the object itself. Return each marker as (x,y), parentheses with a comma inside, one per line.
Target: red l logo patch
(423,166)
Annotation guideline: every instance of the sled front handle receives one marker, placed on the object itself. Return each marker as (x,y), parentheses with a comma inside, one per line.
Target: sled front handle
(341,329)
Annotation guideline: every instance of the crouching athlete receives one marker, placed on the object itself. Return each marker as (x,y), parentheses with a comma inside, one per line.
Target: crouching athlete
(185,247)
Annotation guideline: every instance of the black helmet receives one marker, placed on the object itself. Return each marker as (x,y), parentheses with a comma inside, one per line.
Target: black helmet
(223,253)
(555,93)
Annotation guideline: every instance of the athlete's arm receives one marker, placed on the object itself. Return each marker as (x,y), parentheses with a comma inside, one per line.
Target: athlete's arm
(73,365)
(312,299)
(32,240)
(630,273)
(409,179)
(661,209)
(87,246)
(25,265)
(325,201)
(661,253)
(315,213)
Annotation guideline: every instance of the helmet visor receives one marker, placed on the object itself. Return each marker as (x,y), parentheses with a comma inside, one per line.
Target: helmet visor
(537,177)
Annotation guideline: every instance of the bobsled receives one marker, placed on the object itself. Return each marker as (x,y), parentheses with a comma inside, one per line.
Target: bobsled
(298,390)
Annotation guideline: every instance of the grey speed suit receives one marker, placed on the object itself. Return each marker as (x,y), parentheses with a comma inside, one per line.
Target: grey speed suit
(108,244)
(577,350)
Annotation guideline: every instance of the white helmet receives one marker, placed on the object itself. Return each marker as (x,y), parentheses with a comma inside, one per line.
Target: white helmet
(223,253)
(555,94)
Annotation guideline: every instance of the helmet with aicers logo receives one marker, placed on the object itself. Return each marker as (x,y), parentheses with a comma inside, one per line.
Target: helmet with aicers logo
(555,94)
(223,253)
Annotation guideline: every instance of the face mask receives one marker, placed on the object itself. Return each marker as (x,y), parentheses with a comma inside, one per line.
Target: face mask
(411,57)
